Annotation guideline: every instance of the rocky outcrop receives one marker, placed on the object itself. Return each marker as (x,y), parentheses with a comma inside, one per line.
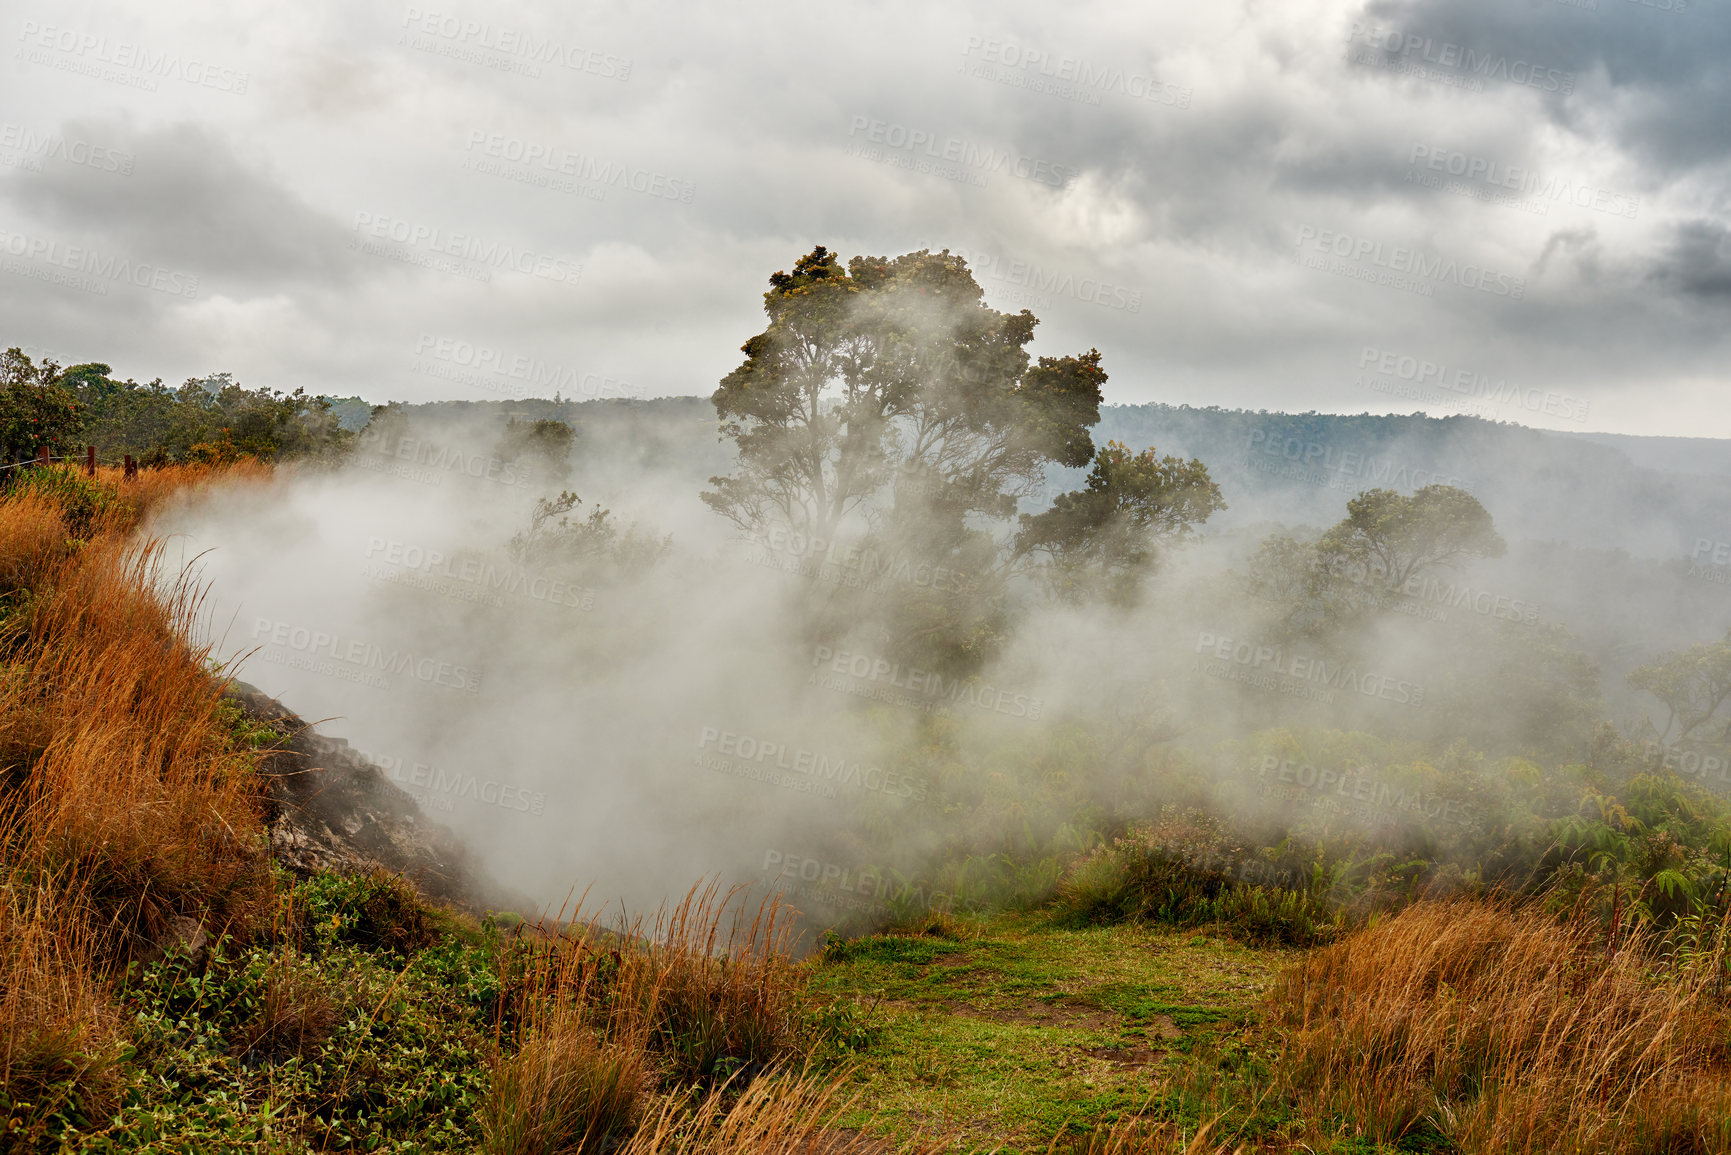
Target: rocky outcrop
(331,809)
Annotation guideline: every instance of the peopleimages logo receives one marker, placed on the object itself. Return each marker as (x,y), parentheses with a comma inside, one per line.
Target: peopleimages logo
(1337,468)
(1497,175)
(86,262)
(1358,786)
(435,782)
(86,53)
(1689,763)
(36,146)
(312,648)
(465,36)
(1711,561)
(1413,49)
(777,756)
(389,446)
(1425,267)
(1277,662)
(953,153)
(1025,274)
(854,566)
(860,888)
(924,689)
(467,247)
(1080,79)
(535,372)
(470,571)
(1421,371)
(557,161)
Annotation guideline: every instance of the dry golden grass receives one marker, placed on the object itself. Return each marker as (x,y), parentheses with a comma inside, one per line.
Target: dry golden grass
(568,1088)
(596,1021)
(722,1004)
(154,488)
(123,802)
(32,541)
(57,1027)
(129,773)
(768,1117)
(150,490)
(1505,1031)
(1134,1137)
(296,1013)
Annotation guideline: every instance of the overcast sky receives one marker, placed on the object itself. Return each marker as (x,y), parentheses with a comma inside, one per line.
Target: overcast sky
(1295,205)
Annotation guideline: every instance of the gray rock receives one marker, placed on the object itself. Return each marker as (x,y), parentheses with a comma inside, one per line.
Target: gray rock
(331,809)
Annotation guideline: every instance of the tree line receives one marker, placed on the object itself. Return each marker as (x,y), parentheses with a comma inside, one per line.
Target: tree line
(47,406)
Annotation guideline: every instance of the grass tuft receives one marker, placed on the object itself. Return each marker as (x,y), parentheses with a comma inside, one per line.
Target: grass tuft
(1507,1031)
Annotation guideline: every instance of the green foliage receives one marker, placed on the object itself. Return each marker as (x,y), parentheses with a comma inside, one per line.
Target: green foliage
(1692,684)
(886,410)
(590,548)
(1101,539)
(206,419)
(83,501)
(1387,539)
(544,443)
(55,1087)
(375,910)
(1163,876)
(265,1047)
(565,1092)
(840,1030)
(891,948)
(246,731)
(892,374)
(37,410)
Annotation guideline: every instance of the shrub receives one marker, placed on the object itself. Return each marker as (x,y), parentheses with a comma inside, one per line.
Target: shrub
(124,805)
(1183,873)
(375,909)
(58,1035)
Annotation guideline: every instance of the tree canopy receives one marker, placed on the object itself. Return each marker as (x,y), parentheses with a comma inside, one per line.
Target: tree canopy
(206,418)
(37,410)
(1102,538)
(891,378)
(1387,538)
(886,404)
(1692,684)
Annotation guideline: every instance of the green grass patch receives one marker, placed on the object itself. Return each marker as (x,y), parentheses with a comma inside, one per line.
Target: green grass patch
(1024,1031)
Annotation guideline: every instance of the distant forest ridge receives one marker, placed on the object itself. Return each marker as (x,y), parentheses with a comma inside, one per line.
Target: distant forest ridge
(1654,497)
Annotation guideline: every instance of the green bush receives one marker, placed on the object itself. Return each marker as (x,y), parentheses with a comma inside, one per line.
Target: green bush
(1147,878)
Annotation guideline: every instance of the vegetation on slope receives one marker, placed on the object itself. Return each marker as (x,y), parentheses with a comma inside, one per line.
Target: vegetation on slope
(164,987)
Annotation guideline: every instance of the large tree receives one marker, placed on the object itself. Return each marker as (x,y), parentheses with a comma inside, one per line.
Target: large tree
(887,407)
(888,392)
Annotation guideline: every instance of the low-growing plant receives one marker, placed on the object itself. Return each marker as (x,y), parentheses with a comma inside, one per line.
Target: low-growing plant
(297,1010)
(373,909)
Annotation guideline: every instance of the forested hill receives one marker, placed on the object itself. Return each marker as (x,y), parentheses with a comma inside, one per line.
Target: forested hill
(1653,497)
(1539,485)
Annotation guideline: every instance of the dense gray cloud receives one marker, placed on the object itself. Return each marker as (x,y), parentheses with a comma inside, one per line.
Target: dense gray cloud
(1234,203)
